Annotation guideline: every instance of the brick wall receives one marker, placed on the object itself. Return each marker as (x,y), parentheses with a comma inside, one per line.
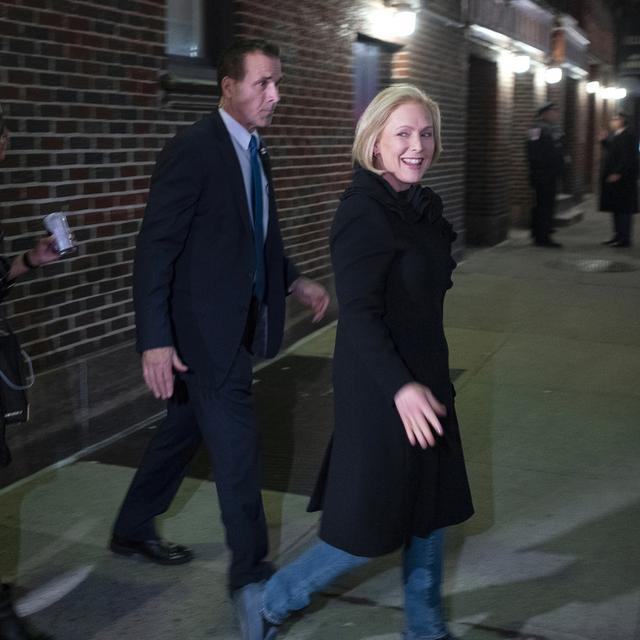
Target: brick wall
(524,103)
(89,116)
(80,92)
(576,127)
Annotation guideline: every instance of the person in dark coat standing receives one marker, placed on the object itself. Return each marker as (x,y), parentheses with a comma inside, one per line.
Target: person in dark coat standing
(619,185)
(394,474)
(11,626)
(546,164)
(43,252)
(210,282)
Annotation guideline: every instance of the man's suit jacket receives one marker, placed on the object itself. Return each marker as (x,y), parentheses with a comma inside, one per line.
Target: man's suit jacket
(195,257)
(620,157)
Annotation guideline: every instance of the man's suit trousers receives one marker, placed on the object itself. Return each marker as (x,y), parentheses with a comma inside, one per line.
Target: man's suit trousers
(623,225)
(544,208)
(224,417)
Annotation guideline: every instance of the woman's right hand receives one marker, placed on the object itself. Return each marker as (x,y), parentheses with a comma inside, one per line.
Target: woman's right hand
(419,410)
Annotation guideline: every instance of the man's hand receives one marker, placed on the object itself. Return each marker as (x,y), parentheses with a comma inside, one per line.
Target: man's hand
(157,369)
(613,177)
(312,295)
(419,410)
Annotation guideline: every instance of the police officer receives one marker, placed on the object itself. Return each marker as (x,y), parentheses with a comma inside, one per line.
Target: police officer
(546,163)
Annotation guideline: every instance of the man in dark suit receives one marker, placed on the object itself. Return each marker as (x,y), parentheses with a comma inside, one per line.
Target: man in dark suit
(210,281)
(546,163)
(619,188)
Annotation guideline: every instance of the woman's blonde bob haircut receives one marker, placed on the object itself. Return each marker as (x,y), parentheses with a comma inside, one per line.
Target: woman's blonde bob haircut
(375,117)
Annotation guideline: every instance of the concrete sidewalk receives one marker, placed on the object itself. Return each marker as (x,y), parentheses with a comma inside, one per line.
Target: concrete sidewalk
(547,347)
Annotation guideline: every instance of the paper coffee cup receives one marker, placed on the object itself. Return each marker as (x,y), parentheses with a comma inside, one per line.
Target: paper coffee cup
(56,224)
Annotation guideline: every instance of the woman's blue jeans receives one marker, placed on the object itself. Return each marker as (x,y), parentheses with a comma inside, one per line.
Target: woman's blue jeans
(290,589)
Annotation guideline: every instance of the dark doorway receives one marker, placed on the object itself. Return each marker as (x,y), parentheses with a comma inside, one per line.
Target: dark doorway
(371,71)
(487,161)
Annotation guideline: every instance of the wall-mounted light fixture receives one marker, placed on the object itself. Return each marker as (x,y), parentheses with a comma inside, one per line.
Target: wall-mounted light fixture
(593,86)
(613,93)
(553,75)
(521,64)
(403,20)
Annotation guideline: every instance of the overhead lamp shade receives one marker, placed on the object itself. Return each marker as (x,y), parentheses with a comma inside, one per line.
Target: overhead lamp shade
(403,22)
(553,75)
(521,64)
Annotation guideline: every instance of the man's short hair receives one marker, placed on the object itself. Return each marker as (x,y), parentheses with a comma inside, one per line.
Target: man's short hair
(231,61)
(375,117)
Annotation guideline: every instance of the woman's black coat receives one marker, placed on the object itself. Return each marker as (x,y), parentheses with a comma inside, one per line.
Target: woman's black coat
(392,261)
(620,156)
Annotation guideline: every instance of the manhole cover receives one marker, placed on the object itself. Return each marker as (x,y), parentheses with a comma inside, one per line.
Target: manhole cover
(593,265)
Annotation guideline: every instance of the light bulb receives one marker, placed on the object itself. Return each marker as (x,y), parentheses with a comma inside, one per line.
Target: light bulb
(403,22)
(520,64)
(552,75)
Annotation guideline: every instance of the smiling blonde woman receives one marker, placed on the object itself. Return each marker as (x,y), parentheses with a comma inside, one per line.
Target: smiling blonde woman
(393,475)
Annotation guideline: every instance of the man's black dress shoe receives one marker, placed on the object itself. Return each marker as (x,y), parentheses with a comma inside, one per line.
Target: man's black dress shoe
(620,245)
(608,242)
(159,551)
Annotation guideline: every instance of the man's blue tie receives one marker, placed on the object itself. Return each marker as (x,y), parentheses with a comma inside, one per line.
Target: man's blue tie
(260,285)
